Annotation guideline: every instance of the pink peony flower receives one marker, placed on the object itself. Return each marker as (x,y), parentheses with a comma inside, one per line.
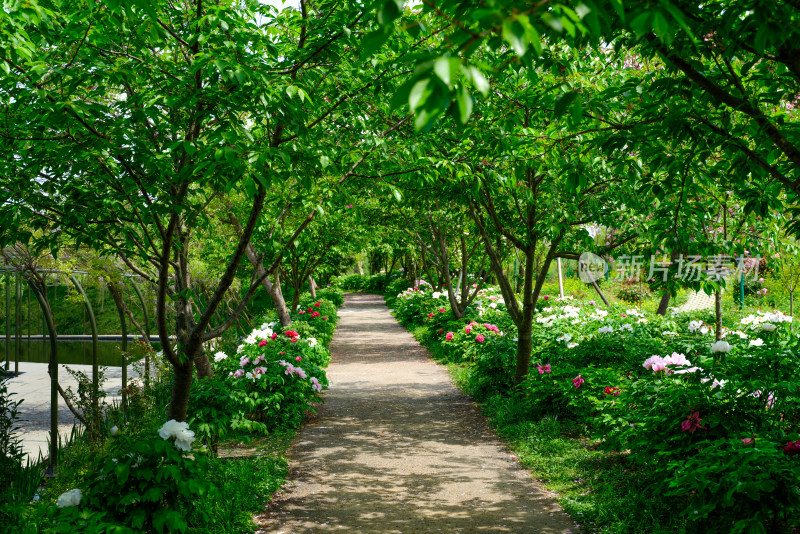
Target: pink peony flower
(611,390)
(748,441)
(317,304)
(316,386)
(479,338)
(430,315)
(325,318)
(262,342)
(299,372)
(244,360)
(274,336)
(449,336)
(468,329)
(546,297)
(543,370)
(238,373)
(441,310)
(301,312)
(298,359)
(577,381)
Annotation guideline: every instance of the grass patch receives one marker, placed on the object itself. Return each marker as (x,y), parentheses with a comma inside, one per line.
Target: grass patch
(246,482)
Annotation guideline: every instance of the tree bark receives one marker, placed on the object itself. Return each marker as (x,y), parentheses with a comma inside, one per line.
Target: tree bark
(312,287)
(273,290)
(181,386)
(664,303)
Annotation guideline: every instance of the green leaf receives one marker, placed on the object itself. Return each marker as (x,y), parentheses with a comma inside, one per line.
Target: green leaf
(464,100)
(480,81)
(373,41)
(563,101)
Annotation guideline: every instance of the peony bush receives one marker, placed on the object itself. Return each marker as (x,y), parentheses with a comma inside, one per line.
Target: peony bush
(687,410)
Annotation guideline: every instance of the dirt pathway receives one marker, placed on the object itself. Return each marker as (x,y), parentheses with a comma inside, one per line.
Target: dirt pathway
(396,448)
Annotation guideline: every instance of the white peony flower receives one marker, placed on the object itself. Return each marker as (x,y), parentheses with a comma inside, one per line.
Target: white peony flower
(668,333)
(605,329)
(626,326)
(114,430)
(694,326)
(312,342)
(756,342)
(571,345)
(180,431)
(219,356)
(721,346)
(769,327)
(565,338)
(69,498)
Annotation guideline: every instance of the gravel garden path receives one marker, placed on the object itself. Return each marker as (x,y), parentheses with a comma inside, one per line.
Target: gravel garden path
(396,448)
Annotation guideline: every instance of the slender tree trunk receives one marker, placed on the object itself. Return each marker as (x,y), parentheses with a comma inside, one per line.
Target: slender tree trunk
(718,313)
(664,303)
(273,290)
(312,287)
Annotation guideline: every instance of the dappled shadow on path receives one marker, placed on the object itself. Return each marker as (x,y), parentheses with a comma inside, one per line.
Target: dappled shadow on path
(396,448)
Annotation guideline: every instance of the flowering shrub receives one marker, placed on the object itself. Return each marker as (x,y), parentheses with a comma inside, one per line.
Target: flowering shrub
(661,389)
(141,484)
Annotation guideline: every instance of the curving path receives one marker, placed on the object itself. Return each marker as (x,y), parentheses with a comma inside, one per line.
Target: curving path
(396,448)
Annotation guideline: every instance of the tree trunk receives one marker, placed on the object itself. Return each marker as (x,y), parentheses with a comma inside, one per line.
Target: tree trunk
(312,287)
(664,303)
(273,290)
(718,313)
(181,386)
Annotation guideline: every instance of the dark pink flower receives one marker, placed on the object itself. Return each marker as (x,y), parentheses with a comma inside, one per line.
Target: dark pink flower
(692,423)
(792,448)
(577,381)
(748,441)
(262,342)
(479,338)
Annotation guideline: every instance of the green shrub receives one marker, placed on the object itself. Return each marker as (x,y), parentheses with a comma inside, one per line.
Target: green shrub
(139,485)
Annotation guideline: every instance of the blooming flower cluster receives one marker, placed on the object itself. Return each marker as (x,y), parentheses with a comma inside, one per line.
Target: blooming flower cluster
(658,363)
(292,370)
(544,369)
(766,320)
(180,431)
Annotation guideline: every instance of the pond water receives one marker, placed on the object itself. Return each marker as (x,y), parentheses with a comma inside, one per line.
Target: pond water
(74,352)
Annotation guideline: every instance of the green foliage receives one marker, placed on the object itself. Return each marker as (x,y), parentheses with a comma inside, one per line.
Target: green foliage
(633,293)
(142,484)
(667,428)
